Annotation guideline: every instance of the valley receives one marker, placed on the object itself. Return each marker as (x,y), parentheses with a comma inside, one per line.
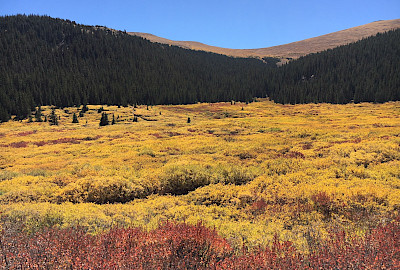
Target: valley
(251,171)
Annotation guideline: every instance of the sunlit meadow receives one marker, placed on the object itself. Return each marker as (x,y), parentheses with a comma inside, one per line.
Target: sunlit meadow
(253,172)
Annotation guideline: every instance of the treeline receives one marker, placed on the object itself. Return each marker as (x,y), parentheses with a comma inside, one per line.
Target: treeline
(47,61)
(365,71)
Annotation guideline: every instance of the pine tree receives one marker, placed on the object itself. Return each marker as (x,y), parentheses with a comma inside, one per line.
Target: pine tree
(38,115)
(53,117)
(113,120)
(75,118)
(104,119)
(84,108)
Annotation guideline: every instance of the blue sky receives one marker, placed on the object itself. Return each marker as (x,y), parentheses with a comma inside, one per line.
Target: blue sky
(230,24)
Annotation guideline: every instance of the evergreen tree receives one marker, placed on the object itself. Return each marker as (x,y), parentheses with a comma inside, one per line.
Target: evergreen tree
(74,118)
(4,116)
(53,117)
(84,108)
(104,119)
(38,115)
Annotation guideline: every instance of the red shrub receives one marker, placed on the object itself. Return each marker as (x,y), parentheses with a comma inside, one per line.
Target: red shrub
(18,144)
(157,135)
(379,249)
(171,246)
(282,255)
(58,141)
(259,206)
(182,246)
(294,154)
(40,143)
(323,203)
(26,133)
(65,140)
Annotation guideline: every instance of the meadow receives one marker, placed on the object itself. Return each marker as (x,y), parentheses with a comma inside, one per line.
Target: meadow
(256,174)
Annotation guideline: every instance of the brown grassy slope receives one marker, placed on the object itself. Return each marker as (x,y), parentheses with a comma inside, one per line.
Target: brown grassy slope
(290,50)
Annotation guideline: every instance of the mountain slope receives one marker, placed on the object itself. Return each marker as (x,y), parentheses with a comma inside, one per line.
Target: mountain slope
(291,50)
(46,61)
(364,71)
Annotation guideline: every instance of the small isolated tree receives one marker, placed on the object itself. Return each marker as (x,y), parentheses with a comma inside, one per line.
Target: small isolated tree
(84,108)
(53,117)
(135,118)
(38,115)
(188,120)
(104,119)
(113,120)
(75,118)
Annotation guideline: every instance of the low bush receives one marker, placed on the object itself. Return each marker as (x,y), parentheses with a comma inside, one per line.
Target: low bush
(183,246)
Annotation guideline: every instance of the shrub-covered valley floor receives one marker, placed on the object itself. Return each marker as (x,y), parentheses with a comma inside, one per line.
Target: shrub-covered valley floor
(274,186)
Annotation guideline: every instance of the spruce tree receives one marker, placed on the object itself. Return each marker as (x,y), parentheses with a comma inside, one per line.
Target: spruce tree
(38,115)
(104,119)
(84,108)
(75,118)
(53,117)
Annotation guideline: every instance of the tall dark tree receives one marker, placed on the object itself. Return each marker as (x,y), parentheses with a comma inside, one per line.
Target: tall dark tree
(53,117)
(75,118)
(104,119)
(38,115)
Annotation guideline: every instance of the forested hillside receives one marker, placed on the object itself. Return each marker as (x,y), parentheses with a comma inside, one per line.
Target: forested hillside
(365,71)
(46,61)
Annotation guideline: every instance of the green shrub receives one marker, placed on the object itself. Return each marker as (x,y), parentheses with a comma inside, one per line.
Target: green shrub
(181,179)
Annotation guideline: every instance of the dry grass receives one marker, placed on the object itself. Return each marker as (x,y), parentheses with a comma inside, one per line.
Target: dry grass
(291,50)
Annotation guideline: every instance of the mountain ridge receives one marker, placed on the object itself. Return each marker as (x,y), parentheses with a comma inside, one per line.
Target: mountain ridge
(291,50)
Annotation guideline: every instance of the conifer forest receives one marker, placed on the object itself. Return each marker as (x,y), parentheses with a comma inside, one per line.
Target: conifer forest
(120,153)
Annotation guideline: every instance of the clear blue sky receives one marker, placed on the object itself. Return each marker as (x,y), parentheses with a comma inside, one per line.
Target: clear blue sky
(225,23)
